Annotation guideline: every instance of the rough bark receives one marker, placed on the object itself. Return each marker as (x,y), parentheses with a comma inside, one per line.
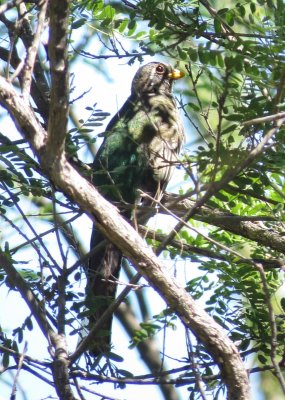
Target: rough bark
(252,230)
(118,231)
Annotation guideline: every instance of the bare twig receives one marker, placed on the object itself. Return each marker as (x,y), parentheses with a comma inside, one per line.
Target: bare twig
(187,225)
(190,251)
(56,230)
(39,235)
(10,4)
(78,388)
(280,91)
(20,364)
(273,327)
(88,340)
(61,283)
(30,226)
(248,229)
(119,231)
(226,29)
(147,348)
(195,368)
(107,56)
(28,358)
(39,375)
(28,296)
(216,186)
(262,120)
(32,51)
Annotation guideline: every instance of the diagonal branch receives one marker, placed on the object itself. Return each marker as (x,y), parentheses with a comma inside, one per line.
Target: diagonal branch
(273,327)
(148,349)
(61,362)
(10,4)
(28,296)
(119,231)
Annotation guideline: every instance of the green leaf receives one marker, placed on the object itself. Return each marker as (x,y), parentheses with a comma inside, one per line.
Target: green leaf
(262,359)
(115,357)
(29,324)
(282,303)
(229,129)
(78,23)
(182,53)
(5,359)
(132,26)
(234,117)
(193,54)
(107,13)
(217,26)
(125,373)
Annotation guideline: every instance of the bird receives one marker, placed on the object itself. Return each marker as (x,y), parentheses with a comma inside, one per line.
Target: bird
(139,152)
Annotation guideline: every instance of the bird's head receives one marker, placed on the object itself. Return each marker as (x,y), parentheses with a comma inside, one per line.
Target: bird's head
(155,78)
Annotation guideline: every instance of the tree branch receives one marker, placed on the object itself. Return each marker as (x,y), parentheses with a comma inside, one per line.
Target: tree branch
(59,95)
(9,5)
(33,50)
(119,231)
(28,296)
(273,327)
(262,120)
(147,348)
(227,221)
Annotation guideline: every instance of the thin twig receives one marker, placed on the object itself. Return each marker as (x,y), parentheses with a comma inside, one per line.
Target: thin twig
(28,295)
(273,327)
(23,215)
(40,235)
(280,91)
(87,341)
(78,388)
(262,120)
(214,13)
(32,51)
(229,175)
(56,228)
(61,283)
(17,355)
(195,367)
(150,379)
(10,4)
(187,225)
(38,375)
(20,364)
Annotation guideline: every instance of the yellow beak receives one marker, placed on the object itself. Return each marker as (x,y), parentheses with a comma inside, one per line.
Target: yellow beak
(176,74)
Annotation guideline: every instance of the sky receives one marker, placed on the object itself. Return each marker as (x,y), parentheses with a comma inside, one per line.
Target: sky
(109,96)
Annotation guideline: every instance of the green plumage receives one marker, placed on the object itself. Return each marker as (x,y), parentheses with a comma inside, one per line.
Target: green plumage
(139,151)
(140,133)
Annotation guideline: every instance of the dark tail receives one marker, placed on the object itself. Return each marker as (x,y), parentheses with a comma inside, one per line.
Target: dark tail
(104,268)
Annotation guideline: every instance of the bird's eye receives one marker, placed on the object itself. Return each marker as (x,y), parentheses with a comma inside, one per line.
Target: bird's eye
(160,69)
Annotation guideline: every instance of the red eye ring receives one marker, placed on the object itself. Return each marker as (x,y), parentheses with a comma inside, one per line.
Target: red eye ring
(160,69)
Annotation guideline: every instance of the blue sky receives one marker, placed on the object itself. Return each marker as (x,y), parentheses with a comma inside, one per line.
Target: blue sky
(109,96)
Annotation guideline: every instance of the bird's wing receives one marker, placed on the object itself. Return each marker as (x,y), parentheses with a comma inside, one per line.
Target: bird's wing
(166,143)
(140,148)
(122,160)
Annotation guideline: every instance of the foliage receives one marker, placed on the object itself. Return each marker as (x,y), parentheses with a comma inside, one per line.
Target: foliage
(233,167)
